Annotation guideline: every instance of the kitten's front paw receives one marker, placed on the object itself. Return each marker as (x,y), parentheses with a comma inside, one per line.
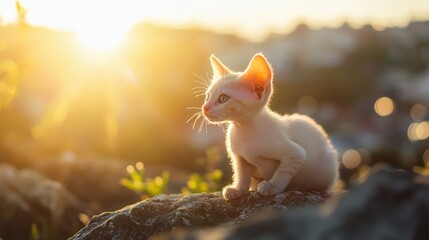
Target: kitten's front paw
(230,193)
(265,188)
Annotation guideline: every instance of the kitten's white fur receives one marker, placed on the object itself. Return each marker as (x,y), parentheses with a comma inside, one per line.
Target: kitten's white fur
(268,152)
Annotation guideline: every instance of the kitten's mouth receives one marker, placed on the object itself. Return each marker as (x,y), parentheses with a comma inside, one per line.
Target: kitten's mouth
(212,118)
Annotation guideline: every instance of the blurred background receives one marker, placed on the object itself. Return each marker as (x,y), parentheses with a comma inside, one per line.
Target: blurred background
(94,95)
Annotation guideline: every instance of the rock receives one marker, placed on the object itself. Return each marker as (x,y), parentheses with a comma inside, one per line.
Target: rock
(168,212)
(389,205)
(95,171)
(28,198)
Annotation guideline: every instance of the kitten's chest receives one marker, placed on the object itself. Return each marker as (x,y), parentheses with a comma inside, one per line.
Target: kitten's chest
(248,144)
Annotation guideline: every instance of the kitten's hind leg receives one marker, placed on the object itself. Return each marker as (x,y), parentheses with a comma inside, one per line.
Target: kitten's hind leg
(289,165)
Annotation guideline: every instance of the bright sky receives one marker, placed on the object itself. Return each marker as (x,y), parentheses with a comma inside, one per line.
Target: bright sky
(251,18)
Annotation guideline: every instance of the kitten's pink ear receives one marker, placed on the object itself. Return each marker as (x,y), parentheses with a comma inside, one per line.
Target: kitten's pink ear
(219,70)
(258,72)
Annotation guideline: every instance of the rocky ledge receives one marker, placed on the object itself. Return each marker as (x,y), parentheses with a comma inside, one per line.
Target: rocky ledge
(390,204)
(168,212)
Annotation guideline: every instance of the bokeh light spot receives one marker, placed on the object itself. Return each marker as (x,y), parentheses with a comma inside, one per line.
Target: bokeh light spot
(130,169)
(422,130)
(84,218)
(418,131)
(351,159)
(418,112)
(384,106)
(159,181)
(139,166)
(411,132)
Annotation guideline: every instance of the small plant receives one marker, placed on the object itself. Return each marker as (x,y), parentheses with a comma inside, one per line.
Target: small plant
(146,187)
(361,174)
(210,181)
(35,233)
(424,171)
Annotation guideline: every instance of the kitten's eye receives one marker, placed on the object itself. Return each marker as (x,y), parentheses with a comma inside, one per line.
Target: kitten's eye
(223,98)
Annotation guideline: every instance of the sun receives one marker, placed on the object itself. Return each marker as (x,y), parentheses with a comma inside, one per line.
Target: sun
(101,25)
(101,39)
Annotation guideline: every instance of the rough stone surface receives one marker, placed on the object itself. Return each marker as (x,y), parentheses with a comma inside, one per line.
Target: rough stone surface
(389,205)
(64,166)
(29,198)
(168,212)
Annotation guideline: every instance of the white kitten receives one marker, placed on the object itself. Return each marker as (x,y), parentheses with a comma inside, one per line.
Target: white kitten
(268,152)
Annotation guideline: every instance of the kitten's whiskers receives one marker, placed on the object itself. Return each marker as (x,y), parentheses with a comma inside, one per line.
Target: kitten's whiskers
(199,91)
(199,87)
(195,114)
(208,79)
(201,125)
(196,120)
(204,82)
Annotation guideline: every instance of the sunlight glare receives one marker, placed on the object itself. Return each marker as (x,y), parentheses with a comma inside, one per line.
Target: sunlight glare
(101,25)
(283,17)
(99,39)
(111,127)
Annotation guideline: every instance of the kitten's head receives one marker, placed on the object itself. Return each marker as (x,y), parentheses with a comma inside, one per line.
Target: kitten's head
(237,96)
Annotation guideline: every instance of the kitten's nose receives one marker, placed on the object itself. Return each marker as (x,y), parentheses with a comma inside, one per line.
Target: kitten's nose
(206,108)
